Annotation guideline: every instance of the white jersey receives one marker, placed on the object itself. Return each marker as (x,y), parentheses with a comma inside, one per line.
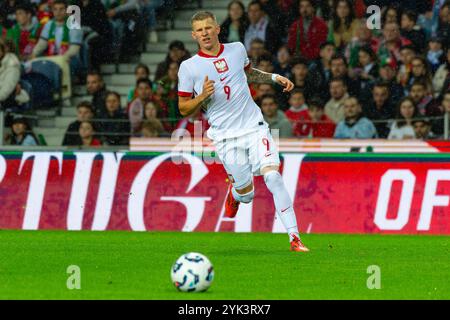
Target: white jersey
(231,111)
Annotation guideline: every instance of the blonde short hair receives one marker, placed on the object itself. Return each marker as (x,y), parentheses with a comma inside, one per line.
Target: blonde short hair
(203,15)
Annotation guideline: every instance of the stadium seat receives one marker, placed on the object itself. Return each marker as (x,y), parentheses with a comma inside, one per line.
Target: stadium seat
(66,84)
(41,90)
(52,72)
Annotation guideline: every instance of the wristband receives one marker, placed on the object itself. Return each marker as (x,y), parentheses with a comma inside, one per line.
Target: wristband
(274,77)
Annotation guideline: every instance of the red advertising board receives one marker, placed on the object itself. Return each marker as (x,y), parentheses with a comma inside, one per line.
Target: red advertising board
(333,193)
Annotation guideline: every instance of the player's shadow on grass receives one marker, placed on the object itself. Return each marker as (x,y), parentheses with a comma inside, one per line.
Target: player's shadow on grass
(188,295)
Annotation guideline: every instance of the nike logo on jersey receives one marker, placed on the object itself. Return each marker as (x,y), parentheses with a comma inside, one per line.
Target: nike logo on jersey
(285,209)
(221,79)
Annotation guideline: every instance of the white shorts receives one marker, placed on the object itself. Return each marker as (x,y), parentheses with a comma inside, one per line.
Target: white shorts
(245,156)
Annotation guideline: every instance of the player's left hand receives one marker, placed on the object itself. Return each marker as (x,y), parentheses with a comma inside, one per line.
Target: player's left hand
(286,83)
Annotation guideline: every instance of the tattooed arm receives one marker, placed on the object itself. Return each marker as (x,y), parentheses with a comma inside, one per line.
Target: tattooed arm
(258,76)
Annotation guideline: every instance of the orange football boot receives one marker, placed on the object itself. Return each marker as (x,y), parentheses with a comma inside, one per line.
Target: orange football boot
(297,245)
(231,205)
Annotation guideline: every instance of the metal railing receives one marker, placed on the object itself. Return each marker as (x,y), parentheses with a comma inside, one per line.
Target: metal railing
(105,134)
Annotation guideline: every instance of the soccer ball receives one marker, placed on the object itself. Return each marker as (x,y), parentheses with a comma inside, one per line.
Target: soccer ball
(192,272)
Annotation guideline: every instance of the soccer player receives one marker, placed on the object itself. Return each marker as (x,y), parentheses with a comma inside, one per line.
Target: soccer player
(215,79)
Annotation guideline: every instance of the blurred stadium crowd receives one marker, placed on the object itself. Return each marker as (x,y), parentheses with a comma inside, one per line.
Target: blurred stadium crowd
(352,79)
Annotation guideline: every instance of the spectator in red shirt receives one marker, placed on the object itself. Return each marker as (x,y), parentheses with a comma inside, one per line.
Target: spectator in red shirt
(25,33)
(296,105)
(307,33)
(189,125)
(86,136)
(313,123)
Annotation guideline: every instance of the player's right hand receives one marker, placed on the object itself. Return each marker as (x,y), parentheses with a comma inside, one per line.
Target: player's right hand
(208,87)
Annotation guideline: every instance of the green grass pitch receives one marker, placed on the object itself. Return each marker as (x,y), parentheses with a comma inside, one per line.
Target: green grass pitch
(136,265)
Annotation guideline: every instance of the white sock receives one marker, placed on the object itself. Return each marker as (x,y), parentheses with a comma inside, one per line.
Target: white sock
(283,203)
